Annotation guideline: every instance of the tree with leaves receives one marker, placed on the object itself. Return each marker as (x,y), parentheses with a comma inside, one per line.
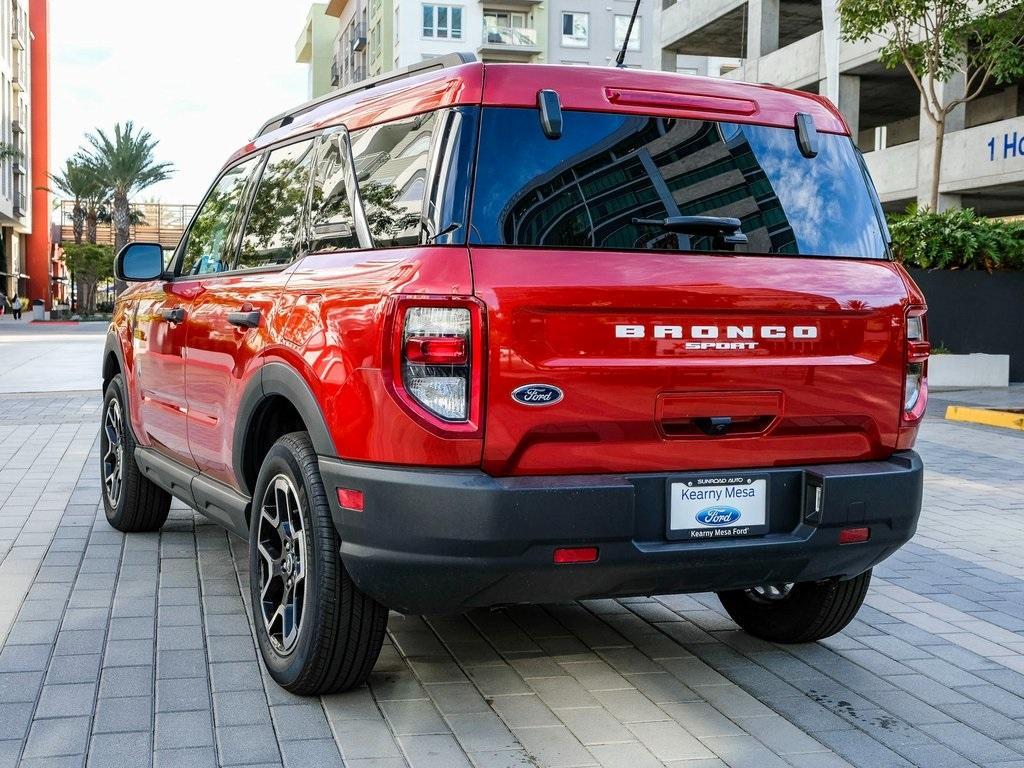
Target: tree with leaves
(78,181)
(937,40)
(125,162)
(90,263)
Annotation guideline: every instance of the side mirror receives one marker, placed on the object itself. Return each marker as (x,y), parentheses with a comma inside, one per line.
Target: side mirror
(139,262)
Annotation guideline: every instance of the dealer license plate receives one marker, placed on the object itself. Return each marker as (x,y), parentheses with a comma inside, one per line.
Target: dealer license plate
(717,506)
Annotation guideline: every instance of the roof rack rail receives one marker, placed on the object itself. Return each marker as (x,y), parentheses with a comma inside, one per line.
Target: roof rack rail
(437,62)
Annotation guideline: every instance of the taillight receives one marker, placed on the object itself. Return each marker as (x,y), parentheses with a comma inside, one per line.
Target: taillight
(435,363)
(435,360)
(915,382)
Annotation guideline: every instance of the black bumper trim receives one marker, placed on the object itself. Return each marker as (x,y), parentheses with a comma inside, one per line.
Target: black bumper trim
(442,541)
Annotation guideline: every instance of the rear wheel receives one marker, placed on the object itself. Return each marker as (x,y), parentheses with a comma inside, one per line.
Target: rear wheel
(131,501)
(317,632)
(797,613)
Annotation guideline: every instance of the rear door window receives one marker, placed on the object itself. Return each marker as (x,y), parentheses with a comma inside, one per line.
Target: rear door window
(584,189)
(272,227)
(332,225)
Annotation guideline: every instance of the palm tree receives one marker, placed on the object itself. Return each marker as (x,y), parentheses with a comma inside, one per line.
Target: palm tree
(126,165)
(77,181)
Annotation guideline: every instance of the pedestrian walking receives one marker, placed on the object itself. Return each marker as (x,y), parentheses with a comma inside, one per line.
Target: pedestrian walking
(16,307)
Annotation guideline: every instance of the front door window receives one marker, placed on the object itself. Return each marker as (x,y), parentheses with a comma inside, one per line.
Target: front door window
(208,247)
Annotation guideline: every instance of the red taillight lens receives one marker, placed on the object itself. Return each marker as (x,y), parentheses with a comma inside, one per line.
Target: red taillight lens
(437,350)
(854,535)
(568,555)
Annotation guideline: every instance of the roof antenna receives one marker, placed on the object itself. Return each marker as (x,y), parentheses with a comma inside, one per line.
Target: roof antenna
(621,58)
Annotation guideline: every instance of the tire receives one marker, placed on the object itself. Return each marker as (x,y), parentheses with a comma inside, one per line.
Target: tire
(810,611)
(319,633)
(132,502)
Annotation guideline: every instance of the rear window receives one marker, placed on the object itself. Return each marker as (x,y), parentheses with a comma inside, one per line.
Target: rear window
(584,189)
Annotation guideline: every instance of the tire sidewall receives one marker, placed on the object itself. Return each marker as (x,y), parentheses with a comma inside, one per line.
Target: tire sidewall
(286,669)
(115,391)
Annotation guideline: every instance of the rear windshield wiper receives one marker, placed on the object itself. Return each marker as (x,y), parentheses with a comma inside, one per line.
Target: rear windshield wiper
(725,229)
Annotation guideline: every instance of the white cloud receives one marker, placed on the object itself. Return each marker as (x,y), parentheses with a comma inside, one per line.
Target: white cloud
(200,75)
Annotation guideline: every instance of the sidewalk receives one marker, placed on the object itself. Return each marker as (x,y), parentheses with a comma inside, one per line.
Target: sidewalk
(36,357)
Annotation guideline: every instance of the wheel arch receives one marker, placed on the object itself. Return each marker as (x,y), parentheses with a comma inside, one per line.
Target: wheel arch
(113,359)
(276,401)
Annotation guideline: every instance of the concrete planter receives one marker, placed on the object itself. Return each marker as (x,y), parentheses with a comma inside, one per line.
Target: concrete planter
(972,311)
(968,371)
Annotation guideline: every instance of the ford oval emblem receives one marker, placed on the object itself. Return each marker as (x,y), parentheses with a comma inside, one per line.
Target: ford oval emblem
(537,394)
(718,515)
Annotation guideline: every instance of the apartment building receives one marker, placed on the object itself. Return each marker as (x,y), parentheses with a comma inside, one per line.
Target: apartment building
(783,42)
(375,36)
(315,47)
(15,146)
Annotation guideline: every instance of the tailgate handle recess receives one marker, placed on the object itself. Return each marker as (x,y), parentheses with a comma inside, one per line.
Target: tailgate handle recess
(717,414)
(717,426)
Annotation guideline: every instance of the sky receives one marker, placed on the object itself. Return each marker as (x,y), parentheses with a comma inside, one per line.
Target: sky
(201,75)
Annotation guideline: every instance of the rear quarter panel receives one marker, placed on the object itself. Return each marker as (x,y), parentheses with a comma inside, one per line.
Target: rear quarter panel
(334,340)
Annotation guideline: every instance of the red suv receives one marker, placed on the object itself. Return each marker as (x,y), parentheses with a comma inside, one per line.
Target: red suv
(481,334)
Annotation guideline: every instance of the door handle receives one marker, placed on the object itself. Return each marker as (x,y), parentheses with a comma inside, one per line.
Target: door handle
(176,315)
(245,319)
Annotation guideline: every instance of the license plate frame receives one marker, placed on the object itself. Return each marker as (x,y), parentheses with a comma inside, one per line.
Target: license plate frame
(758,525)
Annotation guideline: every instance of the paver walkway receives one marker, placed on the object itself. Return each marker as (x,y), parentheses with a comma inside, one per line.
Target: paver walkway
(137,650)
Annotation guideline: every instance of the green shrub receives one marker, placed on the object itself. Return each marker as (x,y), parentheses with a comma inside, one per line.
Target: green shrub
(956,239)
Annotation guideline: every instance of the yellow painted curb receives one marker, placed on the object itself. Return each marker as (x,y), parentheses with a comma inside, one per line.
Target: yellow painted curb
(987,416)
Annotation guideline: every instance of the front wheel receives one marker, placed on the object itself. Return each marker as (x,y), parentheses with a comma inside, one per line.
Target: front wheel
(797,613)
(131,501)
(317,632)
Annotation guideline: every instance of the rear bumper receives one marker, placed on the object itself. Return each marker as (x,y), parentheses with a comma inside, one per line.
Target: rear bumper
(442,541)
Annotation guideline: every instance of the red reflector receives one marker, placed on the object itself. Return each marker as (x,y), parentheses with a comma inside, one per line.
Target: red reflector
(575,555)
(351,499)
(854,535)
(436,350)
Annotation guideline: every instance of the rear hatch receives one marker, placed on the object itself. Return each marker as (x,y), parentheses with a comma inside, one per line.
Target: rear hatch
(646,347)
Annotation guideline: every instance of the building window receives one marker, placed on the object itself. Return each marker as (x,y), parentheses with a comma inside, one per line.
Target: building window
(442,22)
(621,25)
(575,30)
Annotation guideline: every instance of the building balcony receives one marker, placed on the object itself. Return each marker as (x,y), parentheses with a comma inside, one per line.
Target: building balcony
(513,3)
(17,168)
(20,206)
(359,37)
(335,73)
(17,35)
(509,41)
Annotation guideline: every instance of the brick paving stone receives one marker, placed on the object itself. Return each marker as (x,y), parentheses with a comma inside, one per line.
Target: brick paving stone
(120,750)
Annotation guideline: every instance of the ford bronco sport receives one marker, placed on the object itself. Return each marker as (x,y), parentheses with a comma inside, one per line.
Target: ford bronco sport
(483,334)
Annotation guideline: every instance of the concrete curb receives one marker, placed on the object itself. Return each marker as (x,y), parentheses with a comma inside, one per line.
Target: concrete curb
(987,416)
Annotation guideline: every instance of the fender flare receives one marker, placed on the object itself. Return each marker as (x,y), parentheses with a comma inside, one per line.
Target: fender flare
(278,379)
(113,344)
